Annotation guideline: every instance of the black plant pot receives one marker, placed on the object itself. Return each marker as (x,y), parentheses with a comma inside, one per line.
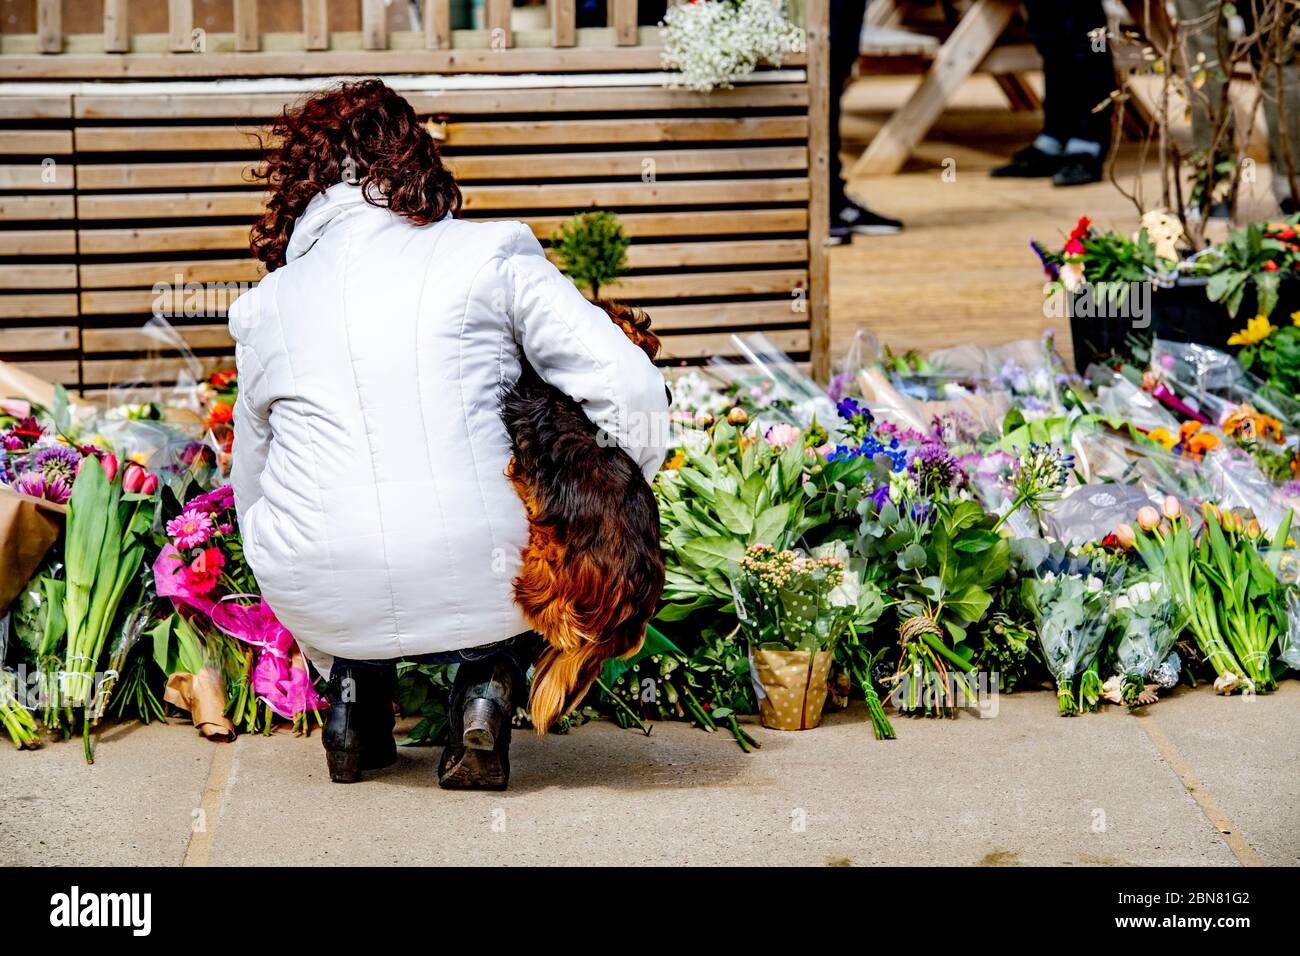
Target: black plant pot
(1180,313)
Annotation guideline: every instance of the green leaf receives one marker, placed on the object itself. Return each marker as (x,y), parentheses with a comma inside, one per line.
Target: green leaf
(713,552)
(770,525)
(733,514)
(970,603)
(976,542)
(913,557)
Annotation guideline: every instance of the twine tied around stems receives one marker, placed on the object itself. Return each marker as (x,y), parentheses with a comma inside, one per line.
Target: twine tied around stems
(915,628)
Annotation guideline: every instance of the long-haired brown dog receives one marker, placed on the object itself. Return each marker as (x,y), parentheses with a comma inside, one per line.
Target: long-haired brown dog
(592,572)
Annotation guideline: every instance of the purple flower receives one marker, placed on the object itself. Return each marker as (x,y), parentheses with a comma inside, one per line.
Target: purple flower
(933,467)
(56,489)
(1049,267)
(217,500)
(850,410)
(841,382)
(880,496)
(54,462)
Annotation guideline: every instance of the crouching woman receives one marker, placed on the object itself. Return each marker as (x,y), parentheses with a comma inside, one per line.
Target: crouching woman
(370,456)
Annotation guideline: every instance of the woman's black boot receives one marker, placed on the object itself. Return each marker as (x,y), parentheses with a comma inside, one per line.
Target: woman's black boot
(359,731)
(477,756)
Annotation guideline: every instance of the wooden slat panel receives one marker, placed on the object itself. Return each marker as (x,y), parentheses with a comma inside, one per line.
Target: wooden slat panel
(165,175)
(672,255)
(65,372)
(437,24)
(624,14)
(130,66)
(42,338)
(34,107)
(49,26)
(117,36)
(180,25)
(163,239)
(510,166)
(103,139)
(315,24)
(139,340)
(164,205)
(34,175)
(247,35)
(39,276)
(591,195)
(37,142)
(38,306)
(110,371)
(214,301)
(563,22)
(123,275)
(36,207)
(38,242)
(737,222)
(723,315)
(497,21)
(702,345)
(625,131)
(755,282)
(819,146)
(653,163)
(451,102)
(374,25)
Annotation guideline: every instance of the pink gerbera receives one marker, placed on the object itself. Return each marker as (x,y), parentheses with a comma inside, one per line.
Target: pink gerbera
(190,529)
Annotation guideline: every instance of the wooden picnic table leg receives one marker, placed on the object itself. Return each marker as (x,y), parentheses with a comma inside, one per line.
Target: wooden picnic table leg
(961,53)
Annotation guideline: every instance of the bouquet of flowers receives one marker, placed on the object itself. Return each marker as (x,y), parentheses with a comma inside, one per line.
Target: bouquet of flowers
(1070,598)
(1148,621)
(202,569)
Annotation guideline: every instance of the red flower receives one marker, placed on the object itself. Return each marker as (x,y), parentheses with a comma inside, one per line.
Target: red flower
(1074,248)
(221,414)
(1270,266)
(203,572)
(1082,228)
(223,379)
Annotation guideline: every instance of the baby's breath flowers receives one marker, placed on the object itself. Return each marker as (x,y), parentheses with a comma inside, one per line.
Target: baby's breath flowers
(785,599)
(715,43)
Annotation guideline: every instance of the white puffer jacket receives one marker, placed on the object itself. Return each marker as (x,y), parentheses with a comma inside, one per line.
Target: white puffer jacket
(369,452)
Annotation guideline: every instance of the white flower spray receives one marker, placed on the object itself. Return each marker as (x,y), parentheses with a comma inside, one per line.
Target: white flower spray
(715,43)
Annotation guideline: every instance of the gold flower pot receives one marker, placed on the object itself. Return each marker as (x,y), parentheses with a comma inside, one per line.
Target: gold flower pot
(791,694)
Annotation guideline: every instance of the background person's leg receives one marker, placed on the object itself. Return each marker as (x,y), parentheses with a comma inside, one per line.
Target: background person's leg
(1086,80)
(1047,31)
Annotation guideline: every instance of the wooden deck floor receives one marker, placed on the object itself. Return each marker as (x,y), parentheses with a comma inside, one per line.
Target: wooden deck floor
(962,269)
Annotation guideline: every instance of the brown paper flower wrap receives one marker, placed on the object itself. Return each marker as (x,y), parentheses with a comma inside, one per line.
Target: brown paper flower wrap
(792,693)
(28,528)
(204,696)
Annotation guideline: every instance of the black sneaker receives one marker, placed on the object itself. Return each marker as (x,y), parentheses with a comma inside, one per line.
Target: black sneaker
(1029,163)
(853,219)
(1078,169)
(1288,206)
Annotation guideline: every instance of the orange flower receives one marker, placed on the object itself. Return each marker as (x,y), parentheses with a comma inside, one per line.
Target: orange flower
(1187,429)
(221,414)
(1198,445)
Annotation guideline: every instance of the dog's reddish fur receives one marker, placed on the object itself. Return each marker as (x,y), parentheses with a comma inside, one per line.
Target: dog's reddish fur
(592,572)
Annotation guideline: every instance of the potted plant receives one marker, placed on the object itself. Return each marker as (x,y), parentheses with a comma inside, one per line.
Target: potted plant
(592,249)
(792,611)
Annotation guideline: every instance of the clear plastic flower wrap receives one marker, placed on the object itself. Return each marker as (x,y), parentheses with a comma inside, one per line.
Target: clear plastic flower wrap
(1070,600)
(1288,645)
(1148,620)
(1236,482)
(1213,382)
(789,395)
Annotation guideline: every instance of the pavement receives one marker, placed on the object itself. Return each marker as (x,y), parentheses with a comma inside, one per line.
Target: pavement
(1197,780)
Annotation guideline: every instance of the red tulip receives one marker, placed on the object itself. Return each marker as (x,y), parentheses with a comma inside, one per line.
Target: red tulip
(133,478)
(110,466)
(149,485)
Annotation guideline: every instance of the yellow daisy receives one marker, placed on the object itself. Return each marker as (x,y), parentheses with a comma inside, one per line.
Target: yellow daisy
(1257,330)
(1295,318)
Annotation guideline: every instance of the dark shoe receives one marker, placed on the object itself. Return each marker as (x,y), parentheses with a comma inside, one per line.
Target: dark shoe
(359,730)
(1078,169)
(1288,207)
(1029,163)
(851,219)
(482,703)
(1221,210)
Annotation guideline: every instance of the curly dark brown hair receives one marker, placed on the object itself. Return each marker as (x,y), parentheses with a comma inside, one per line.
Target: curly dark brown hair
(364,132)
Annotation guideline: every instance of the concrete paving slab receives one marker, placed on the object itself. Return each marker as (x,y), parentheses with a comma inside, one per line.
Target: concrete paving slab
(1024,787)
(1245,751)
(133,807)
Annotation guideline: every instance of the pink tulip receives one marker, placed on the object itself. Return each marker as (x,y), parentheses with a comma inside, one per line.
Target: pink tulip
(1171,507)
(133,478)
(1148,517)
(110,466)
(1126,536)
(149,485)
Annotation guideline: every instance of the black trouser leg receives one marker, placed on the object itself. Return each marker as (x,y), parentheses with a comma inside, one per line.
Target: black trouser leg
(846,18)
(1078,71)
